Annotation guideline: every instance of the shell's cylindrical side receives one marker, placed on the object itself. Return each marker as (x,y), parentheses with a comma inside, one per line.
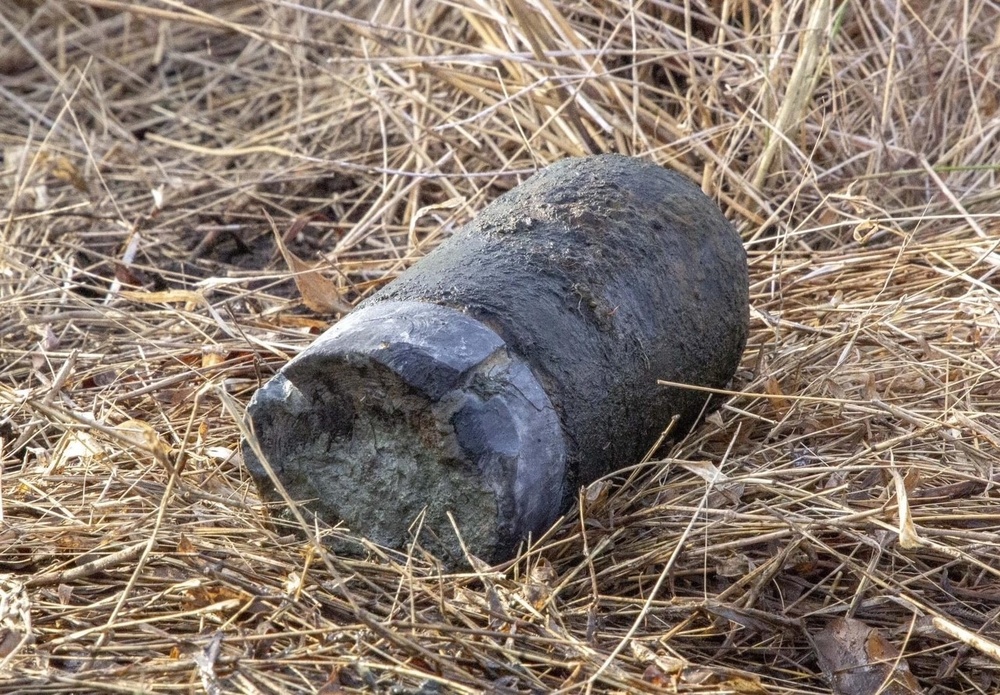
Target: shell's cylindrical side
(515,362)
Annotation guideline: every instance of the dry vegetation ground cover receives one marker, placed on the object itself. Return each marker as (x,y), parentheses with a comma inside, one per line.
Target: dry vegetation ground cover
(852,473)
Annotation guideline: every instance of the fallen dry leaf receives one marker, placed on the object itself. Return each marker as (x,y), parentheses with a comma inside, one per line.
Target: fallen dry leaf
(908,536)
(144,435)
(779,403)
(859,660)
(318,293)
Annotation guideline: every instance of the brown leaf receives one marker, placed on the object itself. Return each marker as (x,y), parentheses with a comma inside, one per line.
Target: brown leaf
(318,293)
(596,494)
(333,686)
(773,388)
(858,660)
(657,677)
(909,539)
(212,358)
(142,434)
(220,597)
(185,546)
(64,170)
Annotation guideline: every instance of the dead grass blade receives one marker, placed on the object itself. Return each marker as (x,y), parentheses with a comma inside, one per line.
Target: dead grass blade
(850,473)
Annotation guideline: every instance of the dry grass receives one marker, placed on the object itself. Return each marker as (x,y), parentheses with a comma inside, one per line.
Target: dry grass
(139,285)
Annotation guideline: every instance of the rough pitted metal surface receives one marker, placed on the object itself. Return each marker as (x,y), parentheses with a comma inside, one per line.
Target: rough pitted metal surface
(413,410)
(605,273)
(588,282)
